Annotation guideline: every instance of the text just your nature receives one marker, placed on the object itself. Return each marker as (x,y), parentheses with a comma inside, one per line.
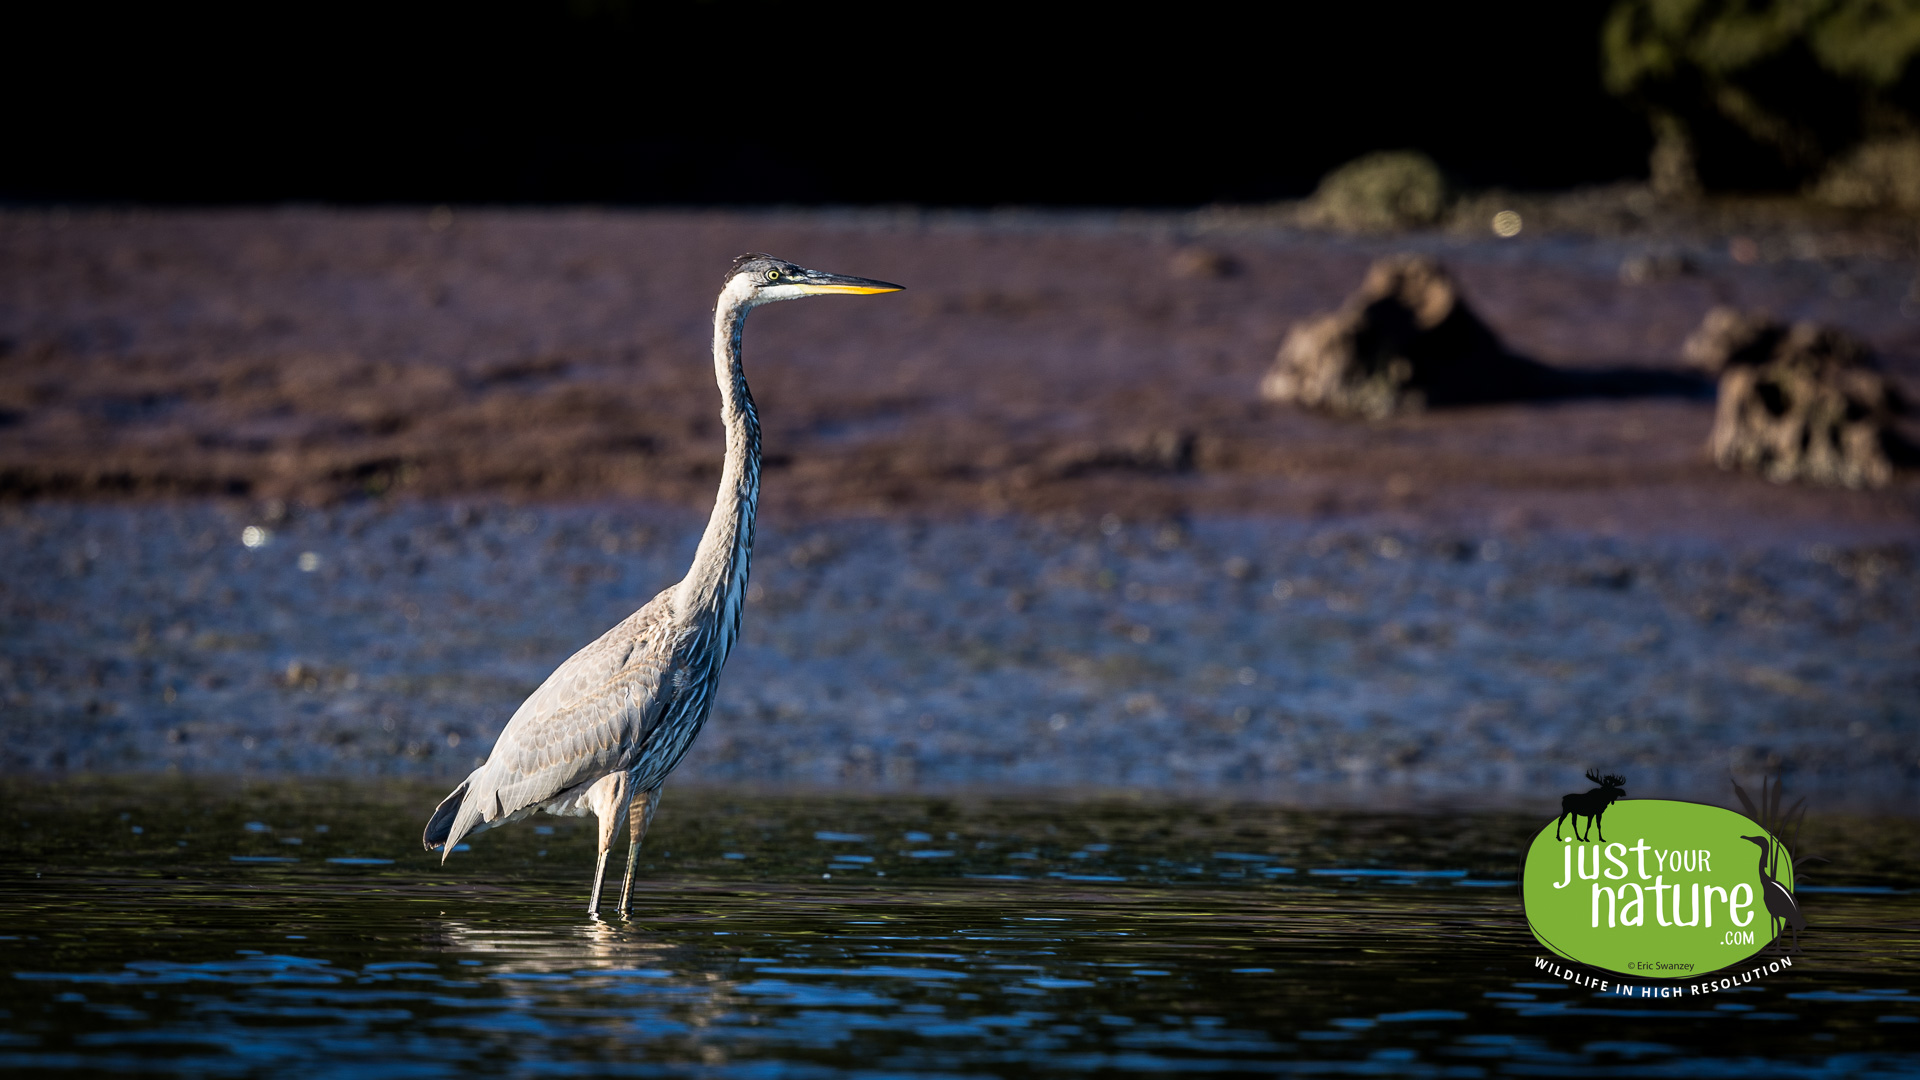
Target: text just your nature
(1626,904)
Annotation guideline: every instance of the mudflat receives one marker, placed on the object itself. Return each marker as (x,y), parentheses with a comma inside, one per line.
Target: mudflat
(329,492)
(1100,363)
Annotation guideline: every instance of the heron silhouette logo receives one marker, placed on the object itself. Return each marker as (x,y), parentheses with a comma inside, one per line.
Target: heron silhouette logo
(1676,894)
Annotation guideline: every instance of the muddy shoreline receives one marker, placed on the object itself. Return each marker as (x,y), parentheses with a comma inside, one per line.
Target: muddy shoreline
(1035,365)
(1252,655)
(494,434)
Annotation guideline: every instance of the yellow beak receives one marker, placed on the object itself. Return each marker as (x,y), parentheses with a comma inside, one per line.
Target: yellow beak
(855,290)
(817,282)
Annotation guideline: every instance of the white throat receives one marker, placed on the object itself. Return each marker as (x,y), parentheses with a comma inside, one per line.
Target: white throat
(717,582)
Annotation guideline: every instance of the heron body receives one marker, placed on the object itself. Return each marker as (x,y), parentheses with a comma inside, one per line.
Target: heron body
(601,735)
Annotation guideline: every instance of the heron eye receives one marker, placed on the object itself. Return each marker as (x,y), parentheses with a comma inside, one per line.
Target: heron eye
(773,275)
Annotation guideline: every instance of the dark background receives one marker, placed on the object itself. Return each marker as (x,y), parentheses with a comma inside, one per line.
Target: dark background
(750,102)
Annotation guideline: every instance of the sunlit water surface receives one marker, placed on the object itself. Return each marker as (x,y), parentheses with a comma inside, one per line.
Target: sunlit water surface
(296,929)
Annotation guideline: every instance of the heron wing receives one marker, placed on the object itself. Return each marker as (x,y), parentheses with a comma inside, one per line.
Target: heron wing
(1781,903)
(585,721)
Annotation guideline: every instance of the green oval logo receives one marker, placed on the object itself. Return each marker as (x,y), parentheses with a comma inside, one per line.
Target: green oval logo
(1681,889)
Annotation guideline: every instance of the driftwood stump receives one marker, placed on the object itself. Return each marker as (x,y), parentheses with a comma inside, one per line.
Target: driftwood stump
(1802,402)
(1403,341)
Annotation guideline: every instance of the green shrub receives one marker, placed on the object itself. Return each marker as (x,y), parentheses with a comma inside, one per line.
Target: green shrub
(1389,189)
(1763,93)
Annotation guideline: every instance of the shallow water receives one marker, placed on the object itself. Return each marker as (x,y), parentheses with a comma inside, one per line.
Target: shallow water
(296,929)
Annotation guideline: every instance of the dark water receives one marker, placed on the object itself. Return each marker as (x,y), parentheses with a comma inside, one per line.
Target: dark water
(296,929)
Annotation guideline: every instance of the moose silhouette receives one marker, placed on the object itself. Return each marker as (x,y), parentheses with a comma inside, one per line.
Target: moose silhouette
(1590,805)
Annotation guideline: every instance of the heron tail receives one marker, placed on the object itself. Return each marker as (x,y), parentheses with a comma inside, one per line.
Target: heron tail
(441,835)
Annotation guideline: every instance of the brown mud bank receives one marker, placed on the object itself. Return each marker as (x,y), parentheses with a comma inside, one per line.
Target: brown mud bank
(1089,363)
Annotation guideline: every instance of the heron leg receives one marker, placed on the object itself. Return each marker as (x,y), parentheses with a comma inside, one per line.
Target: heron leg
(639,817)
(608,800)
(599,875)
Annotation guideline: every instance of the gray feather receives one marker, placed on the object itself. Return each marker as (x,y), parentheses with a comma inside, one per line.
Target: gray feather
(591,717)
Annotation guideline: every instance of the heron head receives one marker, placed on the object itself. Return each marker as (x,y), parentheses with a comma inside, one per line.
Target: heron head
(763,279)
(1761,840)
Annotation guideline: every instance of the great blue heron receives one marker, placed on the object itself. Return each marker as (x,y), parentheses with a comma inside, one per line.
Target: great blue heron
(605,729)
(1781,906)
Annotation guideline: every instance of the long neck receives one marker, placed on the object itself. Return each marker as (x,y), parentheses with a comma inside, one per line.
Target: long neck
(717,583)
